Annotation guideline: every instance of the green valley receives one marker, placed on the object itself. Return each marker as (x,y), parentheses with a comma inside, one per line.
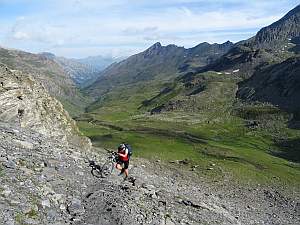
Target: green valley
(225,110)
(219,132)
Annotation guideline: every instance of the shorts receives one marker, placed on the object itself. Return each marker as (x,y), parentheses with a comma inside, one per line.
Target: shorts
(126,163)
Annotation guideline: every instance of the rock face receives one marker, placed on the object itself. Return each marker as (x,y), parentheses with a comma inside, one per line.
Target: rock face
(26,103)
(41,154)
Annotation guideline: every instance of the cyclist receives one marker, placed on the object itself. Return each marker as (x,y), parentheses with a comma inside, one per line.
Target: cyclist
(123,159)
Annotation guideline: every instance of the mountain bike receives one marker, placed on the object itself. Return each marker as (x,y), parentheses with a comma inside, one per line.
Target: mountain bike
(106,169)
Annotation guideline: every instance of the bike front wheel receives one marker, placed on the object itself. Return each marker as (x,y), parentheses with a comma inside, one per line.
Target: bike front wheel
(107,169)
(97,172)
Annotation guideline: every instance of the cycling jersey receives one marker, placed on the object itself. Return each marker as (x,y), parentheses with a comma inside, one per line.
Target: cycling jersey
(124,157)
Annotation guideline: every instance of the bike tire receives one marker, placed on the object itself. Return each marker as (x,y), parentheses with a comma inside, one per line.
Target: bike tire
(107,169)
(97,173)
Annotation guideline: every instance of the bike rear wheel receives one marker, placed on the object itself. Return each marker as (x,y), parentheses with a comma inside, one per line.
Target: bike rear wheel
(107,168)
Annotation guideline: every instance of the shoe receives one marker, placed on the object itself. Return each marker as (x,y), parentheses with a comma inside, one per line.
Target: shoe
(121,173)
(125,178)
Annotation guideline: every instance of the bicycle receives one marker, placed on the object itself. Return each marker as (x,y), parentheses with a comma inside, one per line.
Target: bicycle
(106,169)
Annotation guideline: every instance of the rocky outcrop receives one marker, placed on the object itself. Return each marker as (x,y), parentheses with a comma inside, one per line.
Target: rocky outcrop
(26,103)
(41,154)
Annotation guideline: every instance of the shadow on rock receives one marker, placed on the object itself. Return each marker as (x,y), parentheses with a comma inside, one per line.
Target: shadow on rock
(288,149)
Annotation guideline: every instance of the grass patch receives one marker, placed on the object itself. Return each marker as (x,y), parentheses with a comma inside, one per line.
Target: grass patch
(243,154)
(33,214)
(208,126)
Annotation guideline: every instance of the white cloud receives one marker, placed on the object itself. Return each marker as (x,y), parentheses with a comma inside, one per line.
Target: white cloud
(19,35)
(80,28)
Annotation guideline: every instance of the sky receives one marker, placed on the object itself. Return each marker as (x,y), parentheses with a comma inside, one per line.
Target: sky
(119,28)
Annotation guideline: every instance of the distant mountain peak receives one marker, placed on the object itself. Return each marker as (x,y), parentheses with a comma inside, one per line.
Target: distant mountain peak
(279,32)
(155,49)
(48,55)
(227,42)
(156,45)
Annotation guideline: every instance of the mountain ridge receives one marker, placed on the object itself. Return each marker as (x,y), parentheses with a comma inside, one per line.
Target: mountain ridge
(162,62)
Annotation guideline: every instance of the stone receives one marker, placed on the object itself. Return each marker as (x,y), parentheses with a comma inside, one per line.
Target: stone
(24,144)
(75,207)
(46,203)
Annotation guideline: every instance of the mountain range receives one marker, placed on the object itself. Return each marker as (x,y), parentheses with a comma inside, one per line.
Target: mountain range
(156,63)
(266,65)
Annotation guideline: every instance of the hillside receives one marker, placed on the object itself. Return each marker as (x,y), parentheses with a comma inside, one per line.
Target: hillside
(278,84)
(156,63)
(45,178)
(49,73)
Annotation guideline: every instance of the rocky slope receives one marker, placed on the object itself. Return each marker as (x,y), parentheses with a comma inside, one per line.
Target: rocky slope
(45,70)
(45,182)
(167,195)
(40,145)
(45,178)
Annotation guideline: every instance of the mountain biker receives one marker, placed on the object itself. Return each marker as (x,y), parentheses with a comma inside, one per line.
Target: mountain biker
(123,159)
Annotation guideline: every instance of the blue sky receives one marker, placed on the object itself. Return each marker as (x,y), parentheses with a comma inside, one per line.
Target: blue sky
(80,28)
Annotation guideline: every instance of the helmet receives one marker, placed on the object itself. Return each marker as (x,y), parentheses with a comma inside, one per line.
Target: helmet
(121,147)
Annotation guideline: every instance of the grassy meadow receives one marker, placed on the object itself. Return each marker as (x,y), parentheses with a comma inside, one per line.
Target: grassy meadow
(215,141)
